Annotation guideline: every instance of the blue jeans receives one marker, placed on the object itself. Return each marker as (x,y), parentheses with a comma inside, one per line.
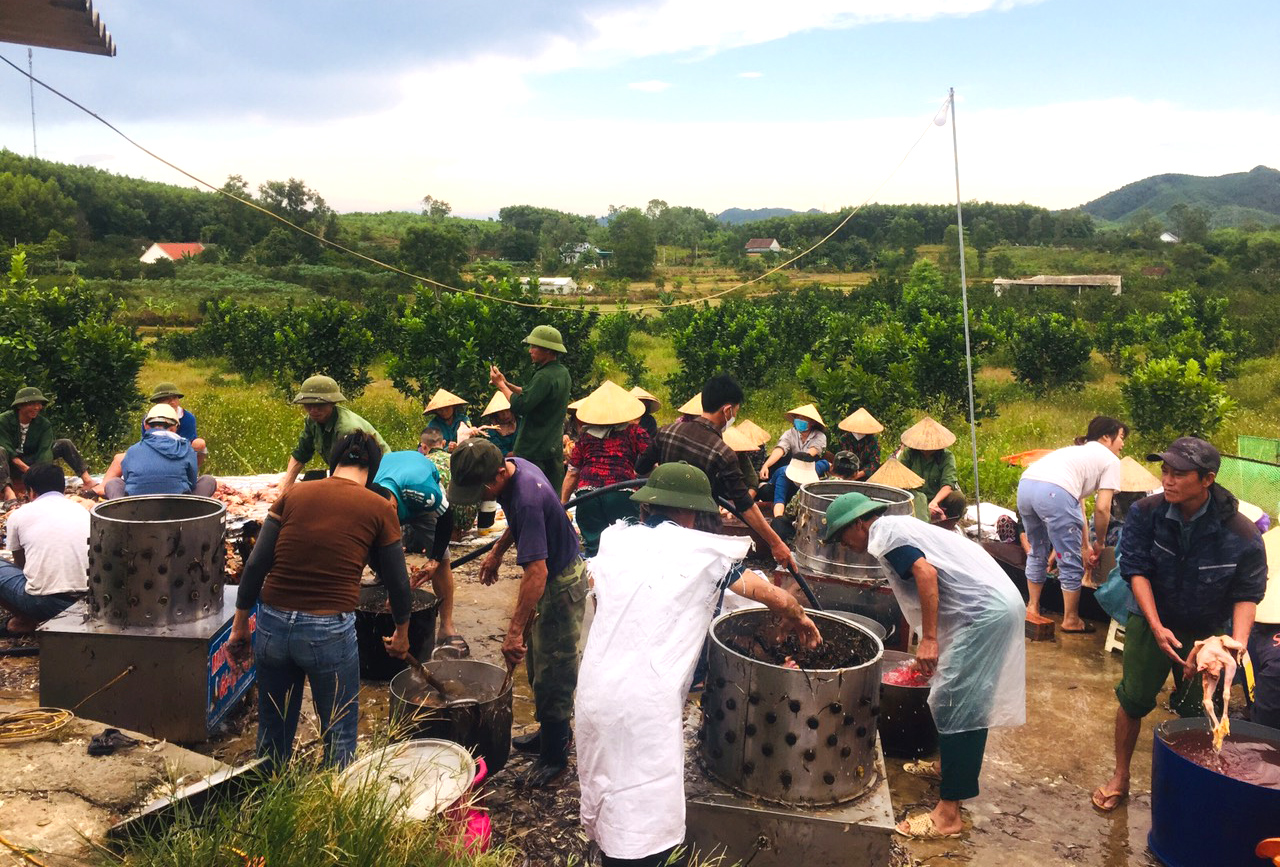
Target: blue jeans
(1053,520)
(14,596)
(291,645)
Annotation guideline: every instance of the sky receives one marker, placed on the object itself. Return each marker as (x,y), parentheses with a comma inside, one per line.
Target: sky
(581,105)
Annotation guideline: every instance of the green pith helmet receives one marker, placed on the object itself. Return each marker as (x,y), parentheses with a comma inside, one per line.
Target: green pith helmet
(679,486)
(319,389)
(846,509)
(28,394)
(164,391)
(547,337)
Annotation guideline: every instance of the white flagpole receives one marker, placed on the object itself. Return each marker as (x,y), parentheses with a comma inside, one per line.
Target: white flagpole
(964,298)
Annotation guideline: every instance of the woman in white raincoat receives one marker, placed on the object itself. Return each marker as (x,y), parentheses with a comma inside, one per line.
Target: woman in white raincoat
(970,621)
(657,586)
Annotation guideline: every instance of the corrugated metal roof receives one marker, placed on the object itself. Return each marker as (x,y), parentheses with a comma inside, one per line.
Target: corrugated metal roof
(68,25)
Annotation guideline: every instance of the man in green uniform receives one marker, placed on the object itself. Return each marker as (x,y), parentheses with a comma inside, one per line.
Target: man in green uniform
(326,423)
(540,406)
(26,438)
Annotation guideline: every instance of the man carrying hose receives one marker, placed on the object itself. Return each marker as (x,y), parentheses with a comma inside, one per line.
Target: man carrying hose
(547,620)
(657,585)
(970,621)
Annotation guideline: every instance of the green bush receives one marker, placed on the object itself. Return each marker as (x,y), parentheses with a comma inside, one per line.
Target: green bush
(614,332)
(1168,398)
(66,341)
(1050,351)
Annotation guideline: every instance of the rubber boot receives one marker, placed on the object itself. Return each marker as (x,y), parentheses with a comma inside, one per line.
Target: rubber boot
(529,742)
(553,757)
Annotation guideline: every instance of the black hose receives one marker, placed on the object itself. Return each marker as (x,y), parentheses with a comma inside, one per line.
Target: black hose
(804,585)
(573,501)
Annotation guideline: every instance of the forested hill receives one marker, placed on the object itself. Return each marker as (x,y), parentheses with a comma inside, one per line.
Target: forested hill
(1231,200)
(738,216)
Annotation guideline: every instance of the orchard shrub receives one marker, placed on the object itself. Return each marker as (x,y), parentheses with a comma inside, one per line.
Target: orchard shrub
(1168,398)
(1050,351)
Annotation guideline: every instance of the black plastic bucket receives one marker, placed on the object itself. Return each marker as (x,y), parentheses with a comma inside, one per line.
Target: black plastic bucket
(907,729)
(374,622)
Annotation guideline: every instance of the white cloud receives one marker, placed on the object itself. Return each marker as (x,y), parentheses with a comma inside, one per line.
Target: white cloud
(750,75)
(651,86)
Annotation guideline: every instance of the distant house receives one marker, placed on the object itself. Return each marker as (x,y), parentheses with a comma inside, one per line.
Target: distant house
(175,252)
(1155,271)
(756,246)
(571,255)
(1169,238)
(1079,282)
(559,286)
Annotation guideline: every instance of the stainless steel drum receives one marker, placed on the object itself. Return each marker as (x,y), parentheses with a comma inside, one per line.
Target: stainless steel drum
(155,561)
(834,560)
(789,735)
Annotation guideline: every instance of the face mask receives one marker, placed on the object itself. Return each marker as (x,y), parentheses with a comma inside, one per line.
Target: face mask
(801,425)
(729,423)
(858,436)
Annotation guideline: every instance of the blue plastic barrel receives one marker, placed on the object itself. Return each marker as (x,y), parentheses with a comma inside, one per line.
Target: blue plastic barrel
(1200,817)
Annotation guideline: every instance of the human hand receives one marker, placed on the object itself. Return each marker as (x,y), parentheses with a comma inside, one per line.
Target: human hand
(419,578)
(513,649)
(495,375)
(805,630)
(782,554)
(240,648)
(1167,642)
(397,643)
(489,569)
(927,656)
(764,474)
(935,512)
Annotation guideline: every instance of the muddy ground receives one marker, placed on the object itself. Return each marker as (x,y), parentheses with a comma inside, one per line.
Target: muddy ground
(1034,807)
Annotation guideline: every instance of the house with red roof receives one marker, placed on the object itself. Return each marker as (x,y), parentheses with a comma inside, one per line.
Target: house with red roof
(171,251)
(756,246)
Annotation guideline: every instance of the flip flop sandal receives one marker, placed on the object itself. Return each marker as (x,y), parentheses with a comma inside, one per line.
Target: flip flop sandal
(1088,629)
(923,769)
(109,741)
(920,827)
(453,647)
(1101,796)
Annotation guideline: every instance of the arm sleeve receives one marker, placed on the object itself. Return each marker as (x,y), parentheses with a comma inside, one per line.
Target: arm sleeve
(577,455)
(949,476)
(259,564)
(903,559)
(639,439)
(730,472)
(1251,576)
(1135,545)
(531,536)
(8,440)
(648,459)
(534,393)
(306,446)
(388,562)
(193,472)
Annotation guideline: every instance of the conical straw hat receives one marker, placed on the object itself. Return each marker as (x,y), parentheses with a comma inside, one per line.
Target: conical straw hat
(441,399)
(1135,478)
(497,403)
(738,440)
(927,435)
(808,411)
(895,474)
(692,406)
(802,472)
(573,407)
(640,394)
(609,404)
(758,435)
(861,422)
(1269,607)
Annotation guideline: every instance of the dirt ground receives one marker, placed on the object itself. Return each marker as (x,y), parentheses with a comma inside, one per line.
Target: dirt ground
(1036,781)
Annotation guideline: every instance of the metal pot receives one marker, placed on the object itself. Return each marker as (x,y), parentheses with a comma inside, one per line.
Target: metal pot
(906,723)
(867,623)
(787,735)
(484,727)
(156,561)
(374,622)
(831,559)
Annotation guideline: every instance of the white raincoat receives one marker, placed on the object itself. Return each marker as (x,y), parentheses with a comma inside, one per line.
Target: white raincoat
(981,677)
(657,589)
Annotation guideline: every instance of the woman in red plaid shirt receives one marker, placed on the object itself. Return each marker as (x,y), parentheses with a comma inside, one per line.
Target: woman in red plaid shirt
(608,445)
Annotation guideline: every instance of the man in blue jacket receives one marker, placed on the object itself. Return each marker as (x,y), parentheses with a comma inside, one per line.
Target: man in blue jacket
(161,462)
(1197,568)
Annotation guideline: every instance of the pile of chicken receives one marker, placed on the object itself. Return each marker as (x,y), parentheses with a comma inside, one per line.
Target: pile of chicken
(1216,659)
(246,504)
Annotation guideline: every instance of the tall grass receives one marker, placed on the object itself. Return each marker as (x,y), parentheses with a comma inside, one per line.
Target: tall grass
(302,817)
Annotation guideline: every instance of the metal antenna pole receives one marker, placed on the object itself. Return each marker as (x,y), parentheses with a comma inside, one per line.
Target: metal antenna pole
(964,298)
(31,83)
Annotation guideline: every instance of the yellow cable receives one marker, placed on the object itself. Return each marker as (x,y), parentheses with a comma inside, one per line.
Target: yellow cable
(541,306)
(22,853)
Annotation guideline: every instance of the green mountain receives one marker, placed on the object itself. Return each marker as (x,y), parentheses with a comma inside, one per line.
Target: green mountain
(1231,200)
(738,216)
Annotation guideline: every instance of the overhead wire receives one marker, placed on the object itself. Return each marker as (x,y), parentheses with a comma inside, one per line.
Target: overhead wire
(455,289)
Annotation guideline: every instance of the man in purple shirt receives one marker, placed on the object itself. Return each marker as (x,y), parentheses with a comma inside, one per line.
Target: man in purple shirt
(547,621)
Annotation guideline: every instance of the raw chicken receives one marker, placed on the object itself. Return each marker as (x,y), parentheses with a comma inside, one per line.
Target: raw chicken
(1213,658)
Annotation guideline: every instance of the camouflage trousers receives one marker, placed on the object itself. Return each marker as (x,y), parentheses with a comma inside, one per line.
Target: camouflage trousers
(552,641)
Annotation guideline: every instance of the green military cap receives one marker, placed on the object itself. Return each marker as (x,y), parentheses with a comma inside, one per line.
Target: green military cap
(679,486)
(28,394)
(547,337)
(164,391)
(472,465)
(319,389)
(846,509)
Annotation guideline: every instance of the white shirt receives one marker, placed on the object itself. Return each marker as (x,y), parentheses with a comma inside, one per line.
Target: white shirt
(53,533)
(1079,470)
